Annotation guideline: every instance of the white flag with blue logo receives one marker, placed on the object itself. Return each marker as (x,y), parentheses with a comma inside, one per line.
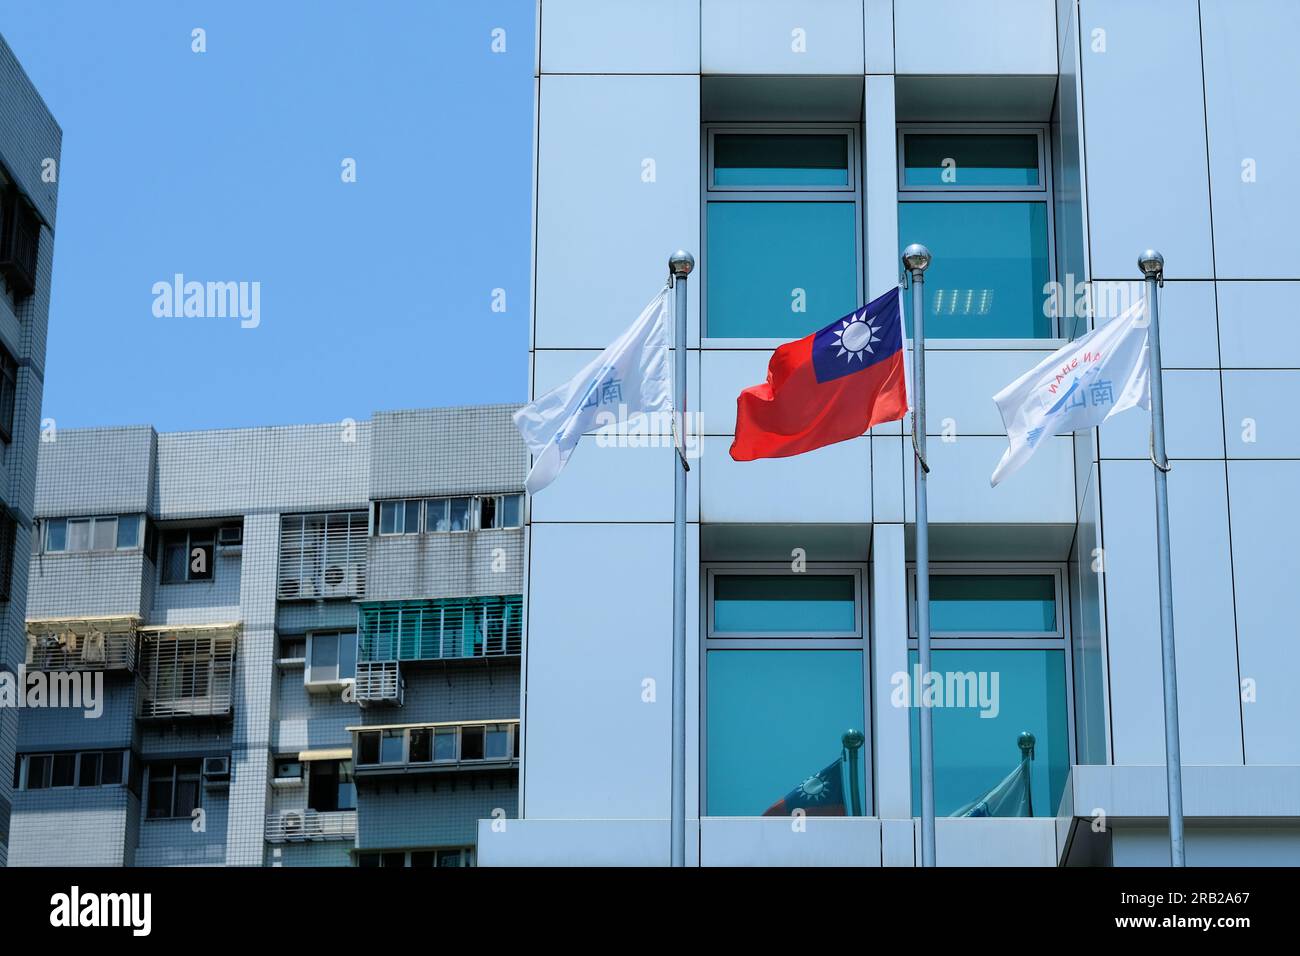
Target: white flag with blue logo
(634,372)
(1080,386)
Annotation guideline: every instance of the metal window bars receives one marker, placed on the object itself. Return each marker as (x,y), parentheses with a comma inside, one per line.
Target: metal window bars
(440,629)
(323,555)
(82,644)
(303,825)
(379,682)
(187,671)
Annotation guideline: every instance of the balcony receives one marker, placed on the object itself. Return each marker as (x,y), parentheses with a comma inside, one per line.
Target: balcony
(310,826)
(440,630)
(82,644)
(20,236)
(379,682)
(187,672)
(383,750)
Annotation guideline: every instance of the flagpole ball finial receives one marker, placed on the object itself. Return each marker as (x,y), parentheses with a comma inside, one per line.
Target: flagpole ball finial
(916,258)
(1026,742)
(680,264)
(853,739)
(1152,264)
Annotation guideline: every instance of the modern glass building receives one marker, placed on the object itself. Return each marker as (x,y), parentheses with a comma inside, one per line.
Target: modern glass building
(1036,147)
(30,142)
(307,641)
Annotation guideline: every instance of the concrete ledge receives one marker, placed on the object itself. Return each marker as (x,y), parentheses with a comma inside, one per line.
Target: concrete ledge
(782,841)
(1231,792)
(767,841)
(574,842)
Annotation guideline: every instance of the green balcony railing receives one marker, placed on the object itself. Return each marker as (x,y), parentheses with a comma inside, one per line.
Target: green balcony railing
(441,629)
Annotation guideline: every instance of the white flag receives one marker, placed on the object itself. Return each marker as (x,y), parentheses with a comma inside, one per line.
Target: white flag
(1080,386)
(634,372)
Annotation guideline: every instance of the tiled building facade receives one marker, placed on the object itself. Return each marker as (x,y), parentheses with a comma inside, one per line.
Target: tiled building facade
(30,142)
(309,639)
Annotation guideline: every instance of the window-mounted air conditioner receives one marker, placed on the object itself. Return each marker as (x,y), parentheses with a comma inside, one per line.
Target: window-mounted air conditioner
(230,536)
(216,772)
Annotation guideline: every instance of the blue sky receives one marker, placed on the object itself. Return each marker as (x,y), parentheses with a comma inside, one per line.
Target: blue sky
(226,166)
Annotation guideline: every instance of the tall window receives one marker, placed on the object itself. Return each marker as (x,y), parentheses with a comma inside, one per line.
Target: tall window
(8,541)
(782,221)
(174,789)
(8,393)
(331,657)
(980,199)
(999,658)
(330,786)
(785,692)
(187,555)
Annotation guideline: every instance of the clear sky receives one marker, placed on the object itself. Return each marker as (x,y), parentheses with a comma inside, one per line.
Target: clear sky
(227,166)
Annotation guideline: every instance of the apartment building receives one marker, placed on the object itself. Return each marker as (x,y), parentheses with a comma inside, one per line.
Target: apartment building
(308,639)
(1036,147)
(30,141)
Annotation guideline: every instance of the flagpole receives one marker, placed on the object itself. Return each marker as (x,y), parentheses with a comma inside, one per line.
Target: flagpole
(680,265)
(916,259)
(1152,265)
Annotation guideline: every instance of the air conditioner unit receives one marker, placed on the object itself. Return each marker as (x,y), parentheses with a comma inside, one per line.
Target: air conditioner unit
(216,772)
(230,535)
(291,822)
(339,581)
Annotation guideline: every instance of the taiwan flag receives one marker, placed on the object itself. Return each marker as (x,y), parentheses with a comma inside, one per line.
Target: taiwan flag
(821,795)
(827,387)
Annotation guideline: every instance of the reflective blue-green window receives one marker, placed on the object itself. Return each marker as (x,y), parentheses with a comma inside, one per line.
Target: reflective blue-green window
(990,699)
(781,159)
(989,275)
(992,604)
(779,269)
(784,604)
(971,160)
(777,719)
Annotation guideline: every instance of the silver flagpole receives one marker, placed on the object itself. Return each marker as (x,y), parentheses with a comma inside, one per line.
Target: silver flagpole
(1152,265)
(916,259)
(680,265)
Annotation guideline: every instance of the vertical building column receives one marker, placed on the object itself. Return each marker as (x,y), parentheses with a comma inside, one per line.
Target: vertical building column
(890,723)
(254,677)
(880,183)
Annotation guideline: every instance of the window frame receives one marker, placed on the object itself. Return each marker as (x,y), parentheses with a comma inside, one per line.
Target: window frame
(1061,641)
(404,506)
(94,520)
(174,766)
(957,639)
(804,194)
(859,641)
(189,555)
(8,392)
(338,680)
(1042,193)
(510,726)
(23,768)
(780,129)
(809,639)
(498,501)
(1038,130)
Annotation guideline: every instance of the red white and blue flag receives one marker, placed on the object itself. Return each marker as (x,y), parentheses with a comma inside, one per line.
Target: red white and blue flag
(821,795)
(827,387)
